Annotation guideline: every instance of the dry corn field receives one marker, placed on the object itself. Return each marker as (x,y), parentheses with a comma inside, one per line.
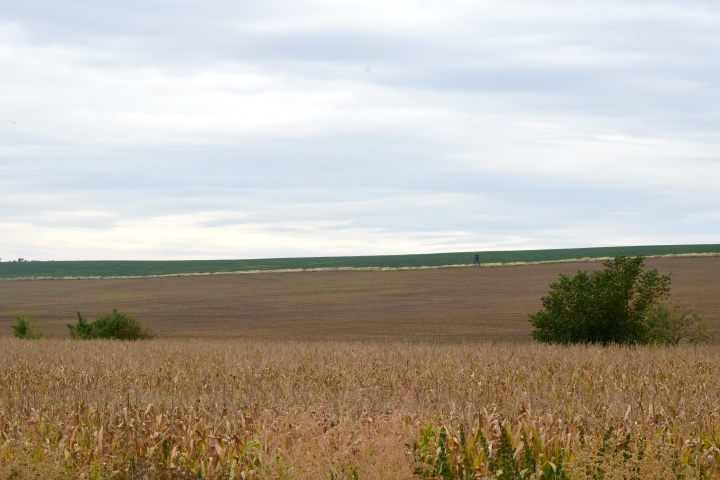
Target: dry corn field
(242,409)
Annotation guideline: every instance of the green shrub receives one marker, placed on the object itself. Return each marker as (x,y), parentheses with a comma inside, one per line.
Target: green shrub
(115,325)
(25,328)
(671,324)
(605,307)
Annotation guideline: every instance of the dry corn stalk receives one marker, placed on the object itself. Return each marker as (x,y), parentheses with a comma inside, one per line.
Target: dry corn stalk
(238,409)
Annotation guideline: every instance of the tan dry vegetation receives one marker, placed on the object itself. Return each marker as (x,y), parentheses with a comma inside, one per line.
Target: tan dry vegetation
(352,410)
(433,305)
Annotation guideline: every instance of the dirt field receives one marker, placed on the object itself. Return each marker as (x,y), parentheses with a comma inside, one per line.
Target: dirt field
(437,305)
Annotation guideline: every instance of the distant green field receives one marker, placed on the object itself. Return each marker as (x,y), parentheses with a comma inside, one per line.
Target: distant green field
(145,268)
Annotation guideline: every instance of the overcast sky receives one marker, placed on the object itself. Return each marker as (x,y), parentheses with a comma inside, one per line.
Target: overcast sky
(248,129)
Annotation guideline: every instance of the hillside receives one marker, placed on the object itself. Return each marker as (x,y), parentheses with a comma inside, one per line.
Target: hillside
(61,269)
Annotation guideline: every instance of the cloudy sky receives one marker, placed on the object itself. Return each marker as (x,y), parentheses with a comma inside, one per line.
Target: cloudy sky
(161,129)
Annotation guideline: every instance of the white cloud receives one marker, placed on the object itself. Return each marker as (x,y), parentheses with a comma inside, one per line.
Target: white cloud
(407,127)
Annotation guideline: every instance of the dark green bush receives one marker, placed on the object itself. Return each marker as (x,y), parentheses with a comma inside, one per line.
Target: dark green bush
(606,306)
(115,325)
(25,328)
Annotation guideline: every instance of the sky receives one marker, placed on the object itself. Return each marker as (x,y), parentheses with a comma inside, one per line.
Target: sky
(160,129)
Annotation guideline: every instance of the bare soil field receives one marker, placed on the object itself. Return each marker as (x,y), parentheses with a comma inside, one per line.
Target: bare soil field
(435,305)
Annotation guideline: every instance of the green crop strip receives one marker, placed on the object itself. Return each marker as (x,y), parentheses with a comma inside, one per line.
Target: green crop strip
(62,269)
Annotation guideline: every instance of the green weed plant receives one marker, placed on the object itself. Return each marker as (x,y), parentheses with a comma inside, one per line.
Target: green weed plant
(26,329)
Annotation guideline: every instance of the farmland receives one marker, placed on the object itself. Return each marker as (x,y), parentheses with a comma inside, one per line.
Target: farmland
(437,305)
(344,410)
(343,374)
(61,269)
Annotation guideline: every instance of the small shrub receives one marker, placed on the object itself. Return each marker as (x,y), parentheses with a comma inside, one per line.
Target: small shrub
(25,328)
(115,325)
(671,324)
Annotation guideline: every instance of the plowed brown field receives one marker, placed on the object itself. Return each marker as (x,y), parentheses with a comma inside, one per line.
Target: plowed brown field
(436,305)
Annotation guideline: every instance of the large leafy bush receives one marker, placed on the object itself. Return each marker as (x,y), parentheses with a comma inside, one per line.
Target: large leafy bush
(604,307)
(115,325)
